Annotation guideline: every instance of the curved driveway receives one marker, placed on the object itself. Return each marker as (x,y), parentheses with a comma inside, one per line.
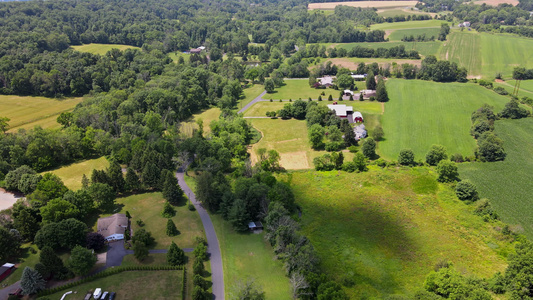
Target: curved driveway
(257,99)
(213,248)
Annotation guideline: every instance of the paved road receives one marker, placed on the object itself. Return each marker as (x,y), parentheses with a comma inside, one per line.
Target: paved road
(4,293)
(213,247)
(257,99)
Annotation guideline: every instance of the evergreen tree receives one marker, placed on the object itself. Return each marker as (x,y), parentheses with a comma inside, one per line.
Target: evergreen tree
(381,91)
(172,192)
(171,228)
(150,175)
(198,267)
(31,281)
(369,148)
(347,131)
(116,178)
(168,211)
(51,261)
(175,255)
(370,81)
(140,251)
(132,180)
(361,96)
(84,182)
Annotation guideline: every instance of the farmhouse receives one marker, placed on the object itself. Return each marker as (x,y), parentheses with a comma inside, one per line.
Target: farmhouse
(360,132)
(113,227)
(5,270)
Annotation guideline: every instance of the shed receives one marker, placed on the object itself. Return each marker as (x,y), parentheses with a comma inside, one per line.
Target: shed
(255,225)
(358,77)
(5,270)
(195,51)
(358,117)
(113,227)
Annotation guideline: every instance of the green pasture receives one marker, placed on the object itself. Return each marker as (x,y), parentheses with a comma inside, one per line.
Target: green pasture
(148,207)
(102,49)
(422,113)
(28,112)
(134,285)
(248,256)
(397,35)
(206,116)
(424,48)
(73,173)
(526,87)
(408,25)
(464,48)
(386,229)
(399,12)
(502,53)
(508,184)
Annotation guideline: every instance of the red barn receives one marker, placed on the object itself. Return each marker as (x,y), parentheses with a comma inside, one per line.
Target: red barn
(5,270)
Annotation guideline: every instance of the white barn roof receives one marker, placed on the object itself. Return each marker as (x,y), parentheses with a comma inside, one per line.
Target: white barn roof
(357,114)
(341,110)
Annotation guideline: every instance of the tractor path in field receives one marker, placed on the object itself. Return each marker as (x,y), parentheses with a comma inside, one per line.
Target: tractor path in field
(213,247)
(257,99)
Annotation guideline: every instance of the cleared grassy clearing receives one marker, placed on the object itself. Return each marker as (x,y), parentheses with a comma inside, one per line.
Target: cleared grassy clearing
(386,229)
(399,12)
(148,207)
(502,53)
(397,35)
(464,48)
(102,49)
(176,55)
(377,4)
(207,116)
(133,285)
(28,112)
(508,183)
(497,2)
(73,173)
(408,25)
(248,256)
(424,48)
(352,62)
(422,113)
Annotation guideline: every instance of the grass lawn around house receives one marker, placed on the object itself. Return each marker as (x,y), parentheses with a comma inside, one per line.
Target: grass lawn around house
(73,173)
(422,113)
(299,89)
(508,184)
(148,207)
(249,256)
(133,285)
(102,49)
(28,112)
(386,229)
(366,107)
(27,259)
(398,35)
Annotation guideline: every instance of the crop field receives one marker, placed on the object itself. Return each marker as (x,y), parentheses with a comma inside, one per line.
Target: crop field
(376,4)
(248,256)
(102,49)
(134,285)
(397,35)
(73,173)
(502,53)
(507,184)
(28,112)
(399,12)
(422,113)
(386,229)
(408,25)
(424,48)
(526,87)
(464,49)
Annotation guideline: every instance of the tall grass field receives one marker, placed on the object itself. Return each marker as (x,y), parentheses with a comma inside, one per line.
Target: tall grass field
(508,184)
(422,113)
(381,232)
(73,173)
(101,49)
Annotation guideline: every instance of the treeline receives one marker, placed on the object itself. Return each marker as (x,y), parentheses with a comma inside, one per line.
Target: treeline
(403,18)
(431,69)
(478,15)
(362,52)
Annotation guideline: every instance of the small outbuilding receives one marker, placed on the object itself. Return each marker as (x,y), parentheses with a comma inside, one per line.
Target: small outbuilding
(255,226)
(113,227)
(5,270)
(360,132)
(358,117)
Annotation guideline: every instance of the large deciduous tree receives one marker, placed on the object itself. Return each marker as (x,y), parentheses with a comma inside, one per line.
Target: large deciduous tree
(81,260)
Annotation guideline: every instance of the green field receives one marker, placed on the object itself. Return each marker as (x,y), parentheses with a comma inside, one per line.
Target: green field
(397,35)
(422,113)
(250,93)
(248,256)
(407,25)
(102,48)
(464,49)
(502,53)
(387,229)
(399,12)
(73,173)
(132,285)
(28,112)
(147,207)
(176,55)
(526,88)
(424,48)
(508,183)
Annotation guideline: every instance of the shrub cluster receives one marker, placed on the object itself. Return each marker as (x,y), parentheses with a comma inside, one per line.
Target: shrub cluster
(490,147)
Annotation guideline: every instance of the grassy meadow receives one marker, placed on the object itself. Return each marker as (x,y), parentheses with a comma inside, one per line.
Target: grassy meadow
(386,229)
(397,35)
(464,49)
(250,93)
(422,113)
(176,55)
(102,49)
(73,173)
(508,183)
(376,4)
(206,116)
(28,112)
(407,25)
(526,90)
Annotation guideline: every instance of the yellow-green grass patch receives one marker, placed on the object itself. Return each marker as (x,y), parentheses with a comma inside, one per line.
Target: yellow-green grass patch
(424,48)
(133,285)
(249,256)
(176,55)
(399,34)
(206,116)
(422,113)
(508,184)
(102,49)
(376,4)
(400,12)
(464,48)
(148,207)
(28,112)
(387,229)
(73,173)
(408,25)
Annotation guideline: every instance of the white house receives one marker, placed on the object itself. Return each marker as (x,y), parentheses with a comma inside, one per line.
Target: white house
(341,110)
(113,227)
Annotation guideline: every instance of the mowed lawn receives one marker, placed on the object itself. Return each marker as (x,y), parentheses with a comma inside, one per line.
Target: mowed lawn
(422,113)
(148,207)
(424,48)
(248,257)
(73,173)
(387,229)
(464,48)
(132,285)
(508,183)
(28,112)
(102,49)
(366,107)
(408,25)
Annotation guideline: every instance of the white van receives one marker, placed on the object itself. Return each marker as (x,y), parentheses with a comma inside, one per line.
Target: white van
(97,293)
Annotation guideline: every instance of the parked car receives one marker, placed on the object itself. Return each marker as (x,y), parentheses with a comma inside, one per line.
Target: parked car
(104,296)
(112,296)
(97,293)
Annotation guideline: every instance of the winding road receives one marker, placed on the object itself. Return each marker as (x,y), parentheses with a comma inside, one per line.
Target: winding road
(213,247)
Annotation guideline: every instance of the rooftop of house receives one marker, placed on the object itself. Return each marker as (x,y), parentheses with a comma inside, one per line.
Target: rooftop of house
(114,224)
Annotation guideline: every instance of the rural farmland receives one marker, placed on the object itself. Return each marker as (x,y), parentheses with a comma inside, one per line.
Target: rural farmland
(363,4)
